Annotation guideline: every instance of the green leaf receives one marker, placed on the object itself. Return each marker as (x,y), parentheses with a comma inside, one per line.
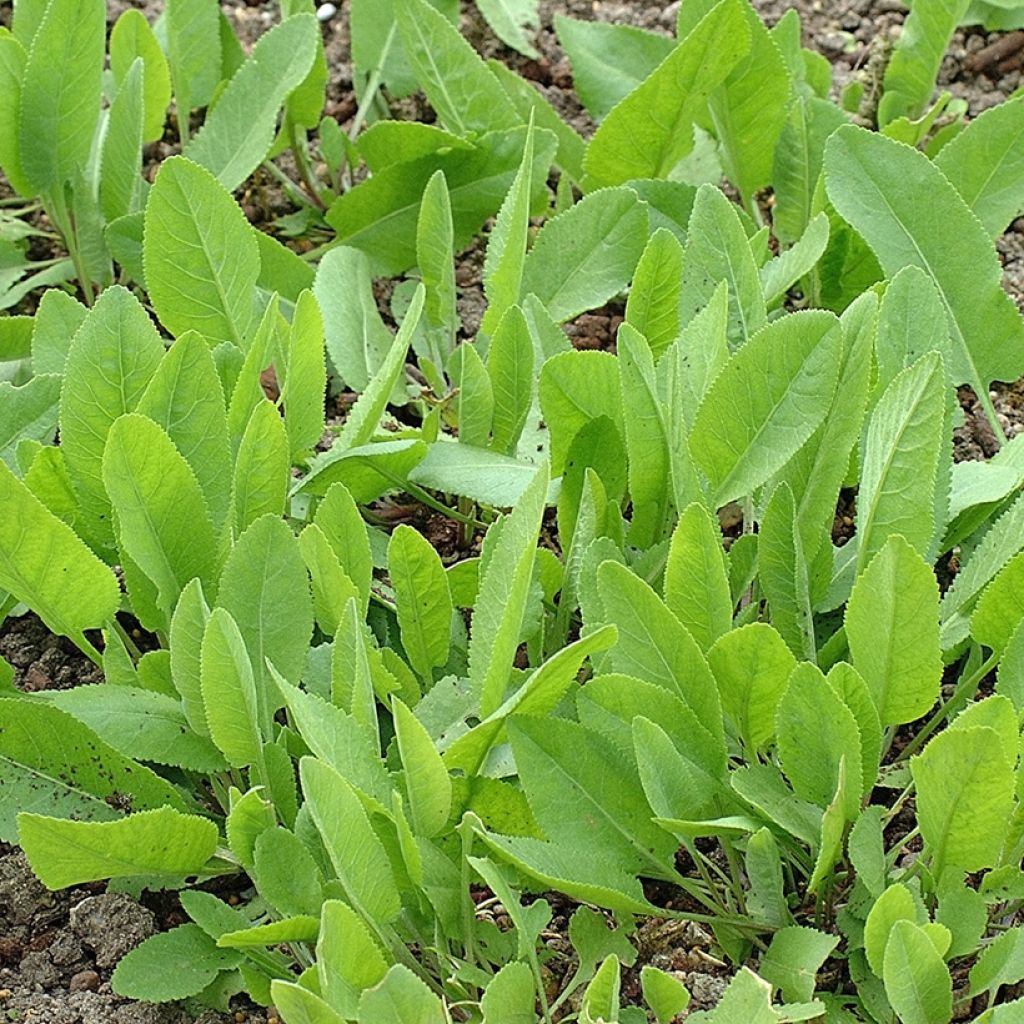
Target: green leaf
(348,958)
(752,666)
(300,1005)
(781,273)
(305,383)
(964,787)
(422,600)
(783,573)
(512,22)
(265,588)
(504,591)
(355,851)
(584,256)
(181,398)
(379,215)
(364,417)
(331,587)
(907,317)
(510,369)
(194,53)
(200,254)
(506,246)
(914,65)
(748,110)
(575,389)
(60,92)
(143,974)
(585,795)
(793,960)
(766,402)
(343,525)
(229,692)
(902,449)
(162,520)
(653,644)
(474,401)
(188,624)
(1001,542)
(53,763)
(896,903)
(57,319)
(1001,963)
(45,564)
(426,778)
(1000,608)
(817,736)
(697,577)
(531,102)
(337,740)
(652,306)
(401,998)
(357,340)
(395,142)
(985,163)
(664,993)
(591,875)
(647,440)
(798,161)
(510,996)
(608,61)
(121,156)
(459,85)
(158,842)
(892,627)
(239,130)
(12,68)
(917,982)
(435,258)
(141,724)
(879,187)
(130,38)
(262,468)
(29,411)
(110,361)
(649,132)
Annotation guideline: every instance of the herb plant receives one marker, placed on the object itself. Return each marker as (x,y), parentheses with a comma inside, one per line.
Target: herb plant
(810,749)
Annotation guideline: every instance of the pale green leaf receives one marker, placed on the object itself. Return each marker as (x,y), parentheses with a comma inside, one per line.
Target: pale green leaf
(229,691)
(132,37)
(922,219)
(584,256)
(426,778)
(162,520)
(767,401)
(649,132)
(892,627)
(238,132)
(917,982)
(158,842)
(60,92)
(422,601)
(200,254)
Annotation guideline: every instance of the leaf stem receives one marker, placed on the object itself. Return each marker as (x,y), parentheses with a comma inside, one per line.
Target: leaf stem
(963,692)
(301,154)
(57,208)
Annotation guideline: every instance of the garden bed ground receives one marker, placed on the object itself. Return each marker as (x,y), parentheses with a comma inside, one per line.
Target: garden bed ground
(57,950)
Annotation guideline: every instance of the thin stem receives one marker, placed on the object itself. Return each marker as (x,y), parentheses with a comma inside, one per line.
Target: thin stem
(963,692)
(298,145)
(129,643)
(295,193)
(59,214)
(372,84)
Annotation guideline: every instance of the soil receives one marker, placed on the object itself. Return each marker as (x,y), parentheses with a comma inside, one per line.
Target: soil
(57,950)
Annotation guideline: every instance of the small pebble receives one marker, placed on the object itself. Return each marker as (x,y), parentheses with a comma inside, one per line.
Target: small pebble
(84,981)
(325,12)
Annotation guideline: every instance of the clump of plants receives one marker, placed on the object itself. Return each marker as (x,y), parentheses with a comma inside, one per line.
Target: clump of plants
(810,748)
